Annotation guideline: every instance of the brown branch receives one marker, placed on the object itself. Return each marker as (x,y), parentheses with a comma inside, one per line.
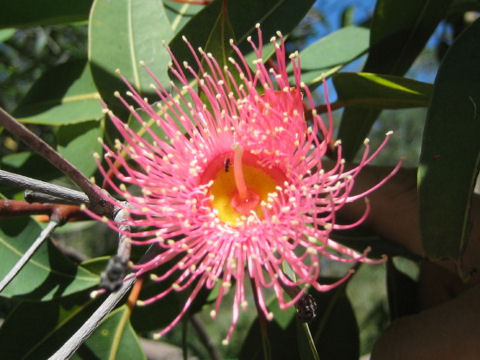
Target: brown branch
(98,204)
(56,191)
(10,208)
(62,213)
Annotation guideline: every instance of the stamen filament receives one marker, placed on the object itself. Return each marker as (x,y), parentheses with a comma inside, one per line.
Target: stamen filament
(238,173)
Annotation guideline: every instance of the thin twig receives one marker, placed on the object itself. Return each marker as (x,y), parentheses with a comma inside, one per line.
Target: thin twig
(117,267)
(204,338)
(57,191)
(82,334)
(29,253)
(39,197)
(9,208)
(98,204)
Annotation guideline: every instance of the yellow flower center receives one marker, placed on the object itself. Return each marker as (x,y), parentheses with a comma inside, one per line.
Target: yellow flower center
(240,185)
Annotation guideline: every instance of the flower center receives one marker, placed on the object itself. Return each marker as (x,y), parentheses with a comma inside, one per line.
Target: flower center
(240,185)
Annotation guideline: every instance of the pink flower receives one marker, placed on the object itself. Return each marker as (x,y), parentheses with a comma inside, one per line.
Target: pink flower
(237,188)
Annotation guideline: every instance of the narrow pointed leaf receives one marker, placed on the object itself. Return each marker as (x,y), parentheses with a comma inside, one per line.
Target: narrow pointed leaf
(332,52)
(450,154)
(334,332)
(49,274)
(121,34)
(64,95)
(273,15)
(179,13)
(114,339)
(6,34)
(23,13)
(36,330)
(78,142)
(399,32)
(381,91)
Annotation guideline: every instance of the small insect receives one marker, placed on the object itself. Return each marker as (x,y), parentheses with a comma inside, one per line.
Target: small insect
(306,308)
(227,164)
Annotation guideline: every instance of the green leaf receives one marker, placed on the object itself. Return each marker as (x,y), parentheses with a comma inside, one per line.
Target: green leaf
(179,14)
(273,15)
(163,311)
(121,34)
(6,34)
(402,292)
(48,275)
(63,95)
(23,13)
(360,239)
(400,30)
(450,153)
(78,142)
(114,339)
(334,331)
(332,52)
(31,165)
(36,330)
(381,91)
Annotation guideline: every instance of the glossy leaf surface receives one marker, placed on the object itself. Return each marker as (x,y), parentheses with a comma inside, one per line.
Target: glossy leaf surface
(273,15)
(332,52)
(36,330)
(399,31)
(23,13)
(334,332)
(121,34)
(113,339)
(48,275)
(78,142)
(451,151)
(64,95)
(381,91)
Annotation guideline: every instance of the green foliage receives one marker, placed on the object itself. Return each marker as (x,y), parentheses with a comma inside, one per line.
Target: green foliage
(331,53)
(24,13)
(65,94)
(399,31)
(114,339)
(334,331)
(48,300)
(48,275)
(121,34)
(450,156)
(381,91)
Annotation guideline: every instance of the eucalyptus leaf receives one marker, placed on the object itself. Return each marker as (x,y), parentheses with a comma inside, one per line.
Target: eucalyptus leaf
(273,15)
(113,339)
(399,32)
(6,34)
(78,142)
(381,91)
(63,95)
(180,13)
(334,331)
(332,52)
(36,330)
(23,13)
(48,275)
(121,34)
(450,155)
(402,292)
(29,164)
